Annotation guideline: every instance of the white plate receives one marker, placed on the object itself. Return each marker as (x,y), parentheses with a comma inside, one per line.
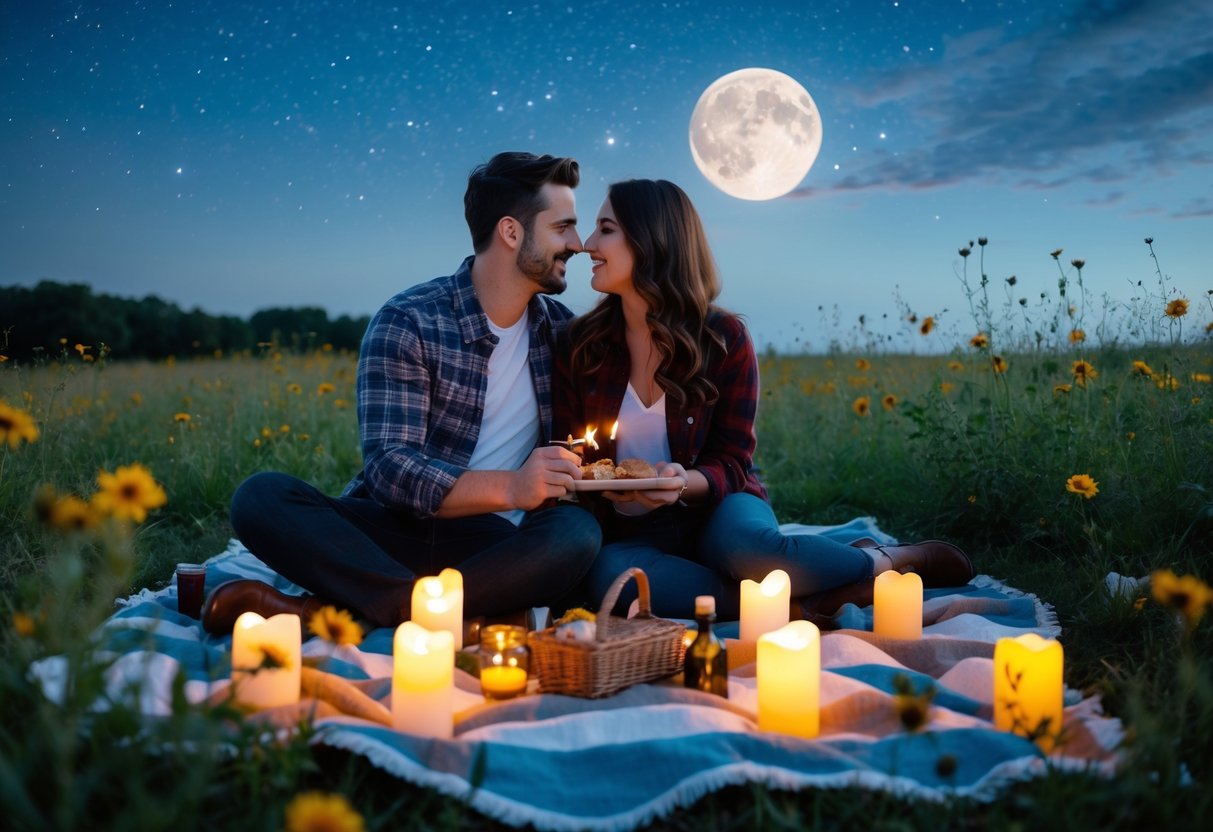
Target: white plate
(650,484)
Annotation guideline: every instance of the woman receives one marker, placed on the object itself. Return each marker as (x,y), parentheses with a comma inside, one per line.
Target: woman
(680,376)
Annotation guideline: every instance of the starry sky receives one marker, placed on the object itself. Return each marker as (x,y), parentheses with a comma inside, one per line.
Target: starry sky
(238,155)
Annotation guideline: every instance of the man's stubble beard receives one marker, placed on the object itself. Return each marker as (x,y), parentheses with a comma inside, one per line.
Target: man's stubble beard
(542,270)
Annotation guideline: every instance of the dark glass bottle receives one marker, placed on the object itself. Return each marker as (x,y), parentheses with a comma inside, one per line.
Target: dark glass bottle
(706,666)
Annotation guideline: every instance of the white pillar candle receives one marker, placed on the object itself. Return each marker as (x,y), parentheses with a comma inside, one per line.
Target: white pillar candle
(789,680)
(438,603)
(1029,688)
(897,605)
(764,606)
(423,681)
(266,660)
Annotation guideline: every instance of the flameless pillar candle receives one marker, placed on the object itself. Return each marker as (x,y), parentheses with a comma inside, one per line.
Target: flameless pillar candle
(266,660)
(1028,688)
(438,604)
(897,605)
(423,681)
(764,606)
(789,680)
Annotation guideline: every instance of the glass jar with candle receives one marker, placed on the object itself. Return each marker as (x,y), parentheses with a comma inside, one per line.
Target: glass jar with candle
(503,661)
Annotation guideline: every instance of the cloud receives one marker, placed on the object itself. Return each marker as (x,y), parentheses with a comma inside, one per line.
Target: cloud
(1116,86)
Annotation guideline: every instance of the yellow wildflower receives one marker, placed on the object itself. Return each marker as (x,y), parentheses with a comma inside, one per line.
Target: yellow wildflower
(979,341)
(1061,389)
(335,625)
(16,426)
(1141,368)
(862,406)
(1177,308)
(82,349)
(889,402)
(1202,378)
(862,364)
(1084,371)
(71,514)
(1187,595)
(946,387)
(321,812)
(181,417)
(324,387)
(1166,382)
(129,493)
(284,429)
(1082,485)
(1077,336)
(999,363)
(956,366)
(23,624)
(928,324)
(294,387)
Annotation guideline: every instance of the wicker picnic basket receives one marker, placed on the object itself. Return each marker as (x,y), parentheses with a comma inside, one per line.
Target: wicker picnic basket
(624,652)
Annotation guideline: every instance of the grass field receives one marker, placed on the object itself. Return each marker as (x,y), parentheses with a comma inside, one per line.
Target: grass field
(979,442)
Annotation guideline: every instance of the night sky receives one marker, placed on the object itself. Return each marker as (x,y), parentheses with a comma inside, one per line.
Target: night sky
(238,155)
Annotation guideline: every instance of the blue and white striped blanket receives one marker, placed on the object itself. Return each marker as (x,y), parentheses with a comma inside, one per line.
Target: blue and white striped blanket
(562,763)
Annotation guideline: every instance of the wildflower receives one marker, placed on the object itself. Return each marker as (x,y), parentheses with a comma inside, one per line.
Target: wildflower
(889,402)
(1082,485)
(913,709)
(1012,280)
(928,323)
(862,406)
(1131,435)
(999,363)
(946,387)
(320,812)
(956,366)
(1202,378)
(82,349)
(1166,382)
(1077,336)
(913,318)
(1055,253)
(1084,372)
(23,624)
(3,358)
(340,404)
(326,347)
(15,426)
(284,429)
(981,241)
(862,364)
(1209,327)
(972,499)
(295,388)
(302,437)
(324,387)
(88,359)
(136,398)
(266,432)
(965,252)
(129,493)
(335,625)
(1149,241)
(1187,595)
(181,417)
(979,341)
(1141,368)
(1177,308)
(1078,264)
(71,514)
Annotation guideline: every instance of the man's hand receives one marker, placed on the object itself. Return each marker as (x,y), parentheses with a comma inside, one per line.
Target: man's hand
(547,473)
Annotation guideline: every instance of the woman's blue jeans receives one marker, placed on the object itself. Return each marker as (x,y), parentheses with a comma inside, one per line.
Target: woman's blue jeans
(686,552)
(359,553)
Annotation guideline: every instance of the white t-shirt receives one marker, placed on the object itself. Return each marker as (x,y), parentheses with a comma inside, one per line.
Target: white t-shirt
(509,430)
(641,435)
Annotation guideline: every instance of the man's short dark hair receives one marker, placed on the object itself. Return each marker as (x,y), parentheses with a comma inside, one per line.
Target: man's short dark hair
(508,186)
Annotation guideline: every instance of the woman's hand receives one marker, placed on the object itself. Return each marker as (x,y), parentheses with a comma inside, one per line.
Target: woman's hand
(654,498)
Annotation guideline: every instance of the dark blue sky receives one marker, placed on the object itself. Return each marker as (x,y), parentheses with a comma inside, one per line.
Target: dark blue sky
(238,155)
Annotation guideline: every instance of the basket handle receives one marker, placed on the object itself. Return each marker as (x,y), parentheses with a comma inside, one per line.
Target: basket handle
(612,595)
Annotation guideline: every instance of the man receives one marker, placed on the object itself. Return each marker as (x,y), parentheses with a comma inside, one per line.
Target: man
(454,412)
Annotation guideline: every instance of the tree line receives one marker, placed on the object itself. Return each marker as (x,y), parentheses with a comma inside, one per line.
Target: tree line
(44,320)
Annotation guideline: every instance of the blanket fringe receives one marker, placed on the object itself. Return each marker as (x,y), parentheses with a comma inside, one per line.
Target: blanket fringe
(1046,616)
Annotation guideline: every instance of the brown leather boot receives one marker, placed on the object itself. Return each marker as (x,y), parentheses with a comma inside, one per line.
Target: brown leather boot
(936,562)
(226,601)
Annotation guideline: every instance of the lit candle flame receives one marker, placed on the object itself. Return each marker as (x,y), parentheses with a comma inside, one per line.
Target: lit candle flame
(614,429)
(589,438)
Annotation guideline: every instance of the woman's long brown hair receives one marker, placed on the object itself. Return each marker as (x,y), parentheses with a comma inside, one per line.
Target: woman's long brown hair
(676,275)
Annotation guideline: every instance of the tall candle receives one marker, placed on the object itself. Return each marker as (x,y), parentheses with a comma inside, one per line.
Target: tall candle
(764,606)
(897,605)
(789,680)
(423,681)
(266,660)
(1028,688)
(438,603)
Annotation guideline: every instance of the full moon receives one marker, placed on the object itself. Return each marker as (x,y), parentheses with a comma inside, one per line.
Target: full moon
(755,133)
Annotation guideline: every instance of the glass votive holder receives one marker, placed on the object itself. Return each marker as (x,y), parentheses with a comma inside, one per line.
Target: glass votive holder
(504,659)
(191,585)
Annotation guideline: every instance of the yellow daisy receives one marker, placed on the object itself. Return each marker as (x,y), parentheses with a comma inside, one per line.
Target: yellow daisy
(321,812)
(130,492)
(324,387)
(1061,389)
(16,426)
(1077,336)
(71,514)
(1187,595)
(889,402)
(862,406)
(862,364)
(1084,371)
(181,417)
(1082,485)
(928,324)
(999,363)
(979,341)
(335,625)
(1141,368)
(1177,308)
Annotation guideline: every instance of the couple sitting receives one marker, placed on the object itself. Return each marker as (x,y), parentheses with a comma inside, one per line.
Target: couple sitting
(461,382)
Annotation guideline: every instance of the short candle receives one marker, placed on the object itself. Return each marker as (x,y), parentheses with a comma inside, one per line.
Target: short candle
(503,661)
(789,680)
(765,606)
(1029,688)
(266,659)
(897,605)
